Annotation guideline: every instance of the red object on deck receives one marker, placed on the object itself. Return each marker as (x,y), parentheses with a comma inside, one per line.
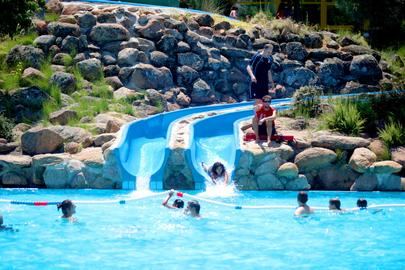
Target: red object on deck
(251,137)
(40,203)
(179,194)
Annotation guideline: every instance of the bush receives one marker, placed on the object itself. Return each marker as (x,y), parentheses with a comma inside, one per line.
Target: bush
(345,118)
(16,15)
(393,134)
(213,6)
(6,127)
(306,101)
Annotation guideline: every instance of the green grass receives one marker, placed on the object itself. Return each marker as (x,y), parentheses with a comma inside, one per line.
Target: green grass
(344,118)
(6,44)
(51,17)
(395,68)
(357,37)
(393,134)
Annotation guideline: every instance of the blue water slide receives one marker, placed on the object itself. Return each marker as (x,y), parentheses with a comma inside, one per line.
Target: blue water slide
(142,148)
(217,139)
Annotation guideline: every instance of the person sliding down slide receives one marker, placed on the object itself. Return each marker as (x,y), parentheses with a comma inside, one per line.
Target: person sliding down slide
(217,173)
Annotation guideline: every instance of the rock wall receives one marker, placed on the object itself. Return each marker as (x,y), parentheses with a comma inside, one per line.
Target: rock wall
(316,160)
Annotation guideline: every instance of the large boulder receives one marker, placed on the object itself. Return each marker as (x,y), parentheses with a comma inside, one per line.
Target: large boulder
(91,69)
(190,59)
(86,20)
(331,72)
(28,55)
(298,183)
(186,75)
(130,57)
(299,77)
(296,51)
(159,59)
(31,74)
(389,182)
(101,139)
(146,76)
(62,117)
(168,44)
(365,68)
(31,97)
(71,134)
(39,164)
(108,32)
(202,93)
(269,182)
(204,20)
(288,170)
(386,166)
(15,170)
(398,155)
(360,50)
(361,159)
(338,177)
(366,182)
(66,82)
(313,40)
(339,142)
(62,30)
(40,140)
(44,42)
(152,30)
(314,158)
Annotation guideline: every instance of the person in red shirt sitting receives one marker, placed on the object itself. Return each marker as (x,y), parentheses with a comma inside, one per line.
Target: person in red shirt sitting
(264,114)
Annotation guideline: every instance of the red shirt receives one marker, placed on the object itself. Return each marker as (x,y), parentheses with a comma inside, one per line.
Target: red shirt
(263,111)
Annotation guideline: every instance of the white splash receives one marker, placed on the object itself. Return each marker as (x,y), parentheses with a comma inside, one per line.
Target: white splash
(219,190)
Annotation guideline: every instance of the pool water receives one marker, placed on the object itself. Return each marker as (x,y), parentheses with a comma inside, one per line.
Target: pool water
(145,235)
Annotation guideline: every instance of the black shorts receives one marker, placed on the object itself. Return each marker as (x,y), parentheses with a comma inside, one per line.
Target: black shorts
(258,90)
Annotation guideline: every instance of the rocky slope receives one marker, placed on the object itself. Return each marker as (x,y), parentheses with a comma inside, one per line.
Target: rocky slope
(161,61)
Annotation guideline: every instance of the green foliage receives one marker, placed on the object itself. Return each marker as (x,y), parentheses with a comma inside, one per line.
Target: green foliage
(262,17)
(385,17)
(306,101)
(51,17)
(357,37)
(213,6)
(10,78)
(6,128)
(344,118)
(396,64)
(393,134)
(16,15)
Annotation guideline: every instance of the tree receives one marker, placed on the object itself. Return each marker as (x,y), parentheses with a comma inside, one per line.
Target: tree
(16,15)
(386,19)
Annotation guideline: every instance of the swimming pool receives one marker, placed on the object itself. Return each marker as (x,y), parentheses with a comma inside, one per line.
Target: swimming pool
(145,235)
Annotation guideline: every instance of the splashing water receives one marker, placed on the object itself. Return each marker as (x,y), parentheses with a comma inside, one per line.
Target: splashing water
(219,190)
(142,183)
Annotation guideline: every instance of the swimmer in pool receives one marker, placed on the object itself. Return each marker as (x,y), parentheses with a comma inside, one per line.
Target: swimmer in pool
(334,205)
(4,227)
(303,209)
(362,204)
(177,204)
(68,209)
(217,173)
(193,209)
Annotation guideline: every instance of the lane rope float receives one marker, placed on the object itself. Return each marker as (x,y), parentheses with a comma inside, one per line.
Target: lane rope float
(189,196)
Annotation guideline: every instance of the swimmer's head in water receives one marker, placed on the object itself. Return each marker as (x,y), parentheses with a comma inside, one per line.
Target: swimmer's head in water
(362,203)
(193,206)
(302,197)
(334,204)
(178,203)
(68,208)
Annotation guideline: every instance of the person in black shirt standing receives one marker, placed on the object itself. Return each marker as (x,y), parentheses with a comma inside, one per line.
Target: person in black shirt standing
(259,70)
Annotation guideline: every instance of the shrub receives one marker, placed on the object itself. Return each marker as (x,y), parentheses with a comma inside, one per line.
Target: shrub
(213,6)
(393,134)
(6,127)
(306,101)
(16,15)
(345,118)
